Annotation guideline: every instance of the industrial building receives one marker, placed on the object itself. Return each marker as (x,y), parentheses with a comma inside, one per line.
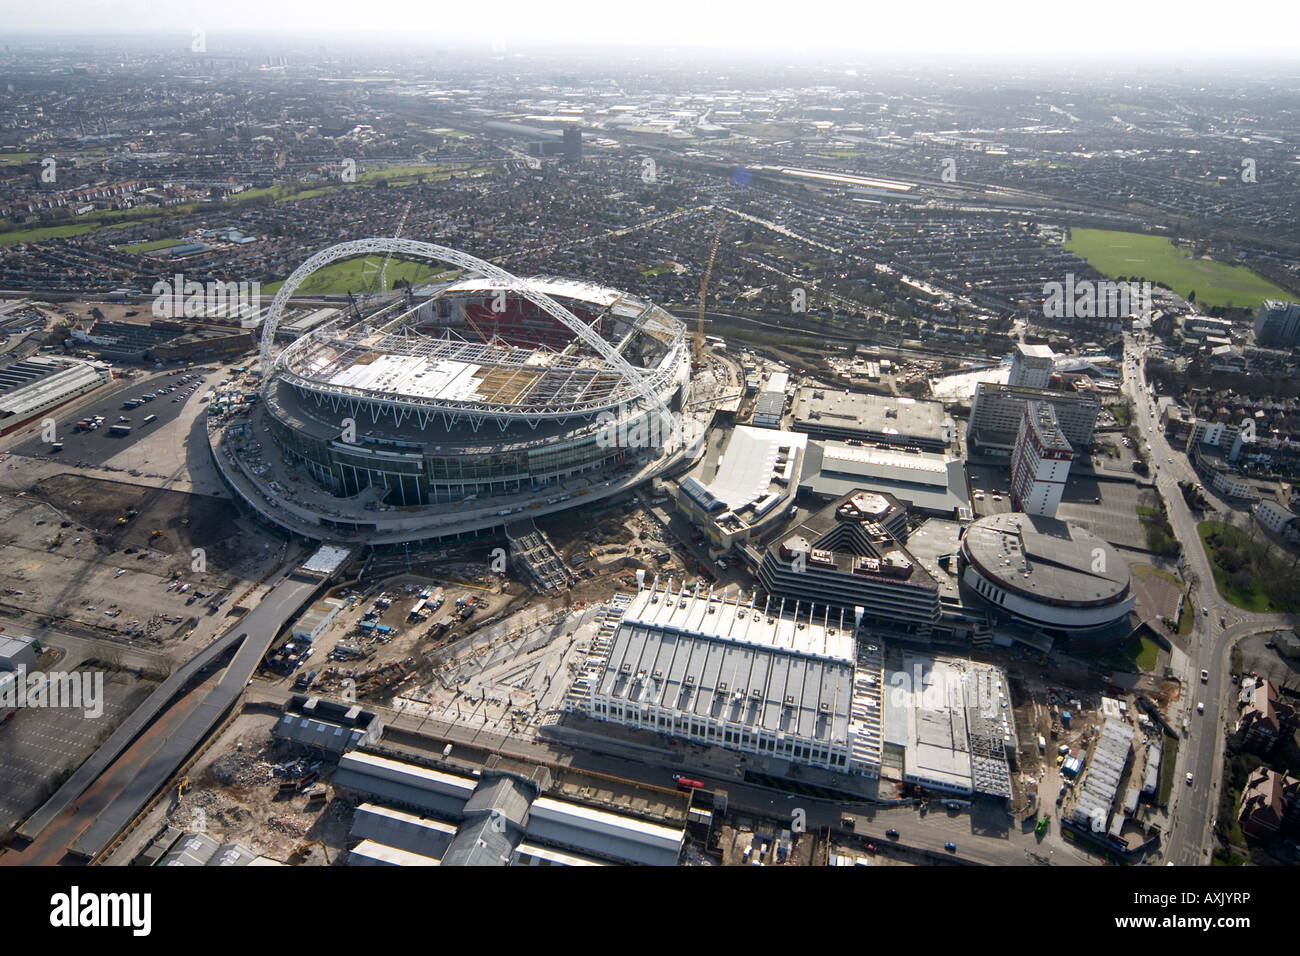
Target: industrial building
(999,410)
(17,653)
(36,386)
(1040,462)
(777,678)
(325,725)
(926,482)
(1031,366)
(1044,572)
(899,422)
(316,619)
(769,407)
(849,555)
(417,814)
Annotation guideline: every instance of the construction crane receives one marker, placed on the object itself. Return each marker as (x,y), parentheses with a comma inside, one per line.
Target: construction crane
(382,274)
(704,286)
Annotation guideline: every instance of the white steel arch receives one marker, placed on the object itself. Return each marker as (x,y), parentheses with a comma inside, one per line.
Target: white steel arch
(415,249)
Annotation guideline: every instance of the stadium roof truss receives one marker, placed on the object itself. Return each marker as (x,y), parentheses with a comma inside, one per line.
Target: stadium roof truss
(473,381)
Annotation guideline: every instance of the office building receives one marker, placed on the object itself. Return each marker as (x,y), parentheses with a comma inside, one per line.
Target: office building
(1277,324)
(998,410)
(1031,366)
(1040,462)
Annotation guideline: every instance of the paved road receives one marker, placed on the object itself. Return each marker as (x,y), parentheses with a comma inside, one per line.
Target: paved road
(1193,807)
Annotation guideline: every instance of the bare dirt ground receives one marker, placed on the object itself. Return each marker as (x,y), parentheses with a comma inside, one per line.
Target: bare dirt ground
(234,797)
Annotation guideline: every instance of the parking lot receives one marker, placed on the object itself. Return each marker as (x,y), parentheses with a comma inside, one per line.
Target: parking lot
(1114,517)
(38,745)
(101,446)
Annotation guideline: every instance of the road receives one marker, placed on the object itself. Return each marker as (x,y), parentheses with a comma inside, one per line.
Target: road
(1193,807)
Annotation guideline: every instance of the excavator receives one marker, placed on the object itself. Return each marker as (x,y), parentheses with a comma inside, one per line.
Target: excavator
(304,850)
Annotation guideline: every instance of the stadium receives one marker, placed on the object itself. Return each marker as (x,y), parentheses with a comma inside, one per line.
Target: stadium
(468,401)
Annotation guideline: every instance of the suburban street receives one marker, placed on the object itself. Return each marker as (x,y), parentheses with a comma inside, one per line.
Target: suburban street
(1209,646)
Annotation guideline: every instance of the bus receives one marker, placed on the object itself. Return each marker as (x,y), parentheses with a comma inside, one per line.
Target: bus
(119,430)
(131,403)
(149,418)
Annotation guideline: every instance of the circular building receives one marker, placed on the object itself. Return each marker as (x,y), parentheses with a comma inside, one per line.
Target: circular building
(1045,572)
(473,401)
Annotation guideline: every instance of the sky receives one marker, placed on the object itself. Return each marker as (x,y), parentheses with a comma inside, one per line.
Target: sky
(1137,30)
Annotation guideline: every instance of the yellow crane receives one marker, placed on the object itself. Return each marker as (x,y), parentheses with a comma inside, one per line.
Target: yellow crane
(704,286)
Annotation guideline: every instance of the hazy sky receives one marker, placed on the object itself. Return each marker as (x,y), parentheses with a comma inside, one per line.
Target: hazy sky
(1030,29)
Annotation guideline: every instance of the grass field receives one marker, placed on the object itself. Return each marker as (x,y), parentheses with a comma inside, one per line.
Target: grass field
(16,159)
(41,233)
(1144,651)
(357,275)
(1156,259)
(151,246)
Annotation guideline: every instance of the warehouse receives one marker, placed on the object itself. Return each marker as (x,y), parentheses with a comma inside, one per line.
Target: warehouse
(402,830)
(605,834)
(328,726)
(497,818)
(36,386)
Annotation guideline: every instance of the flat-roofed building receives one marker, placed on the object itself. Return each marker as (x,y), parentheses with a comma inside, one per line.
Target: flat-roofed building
(902,422)
(928,482)
(948,725)
(776,678)
(1044,572)
(1277,324)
